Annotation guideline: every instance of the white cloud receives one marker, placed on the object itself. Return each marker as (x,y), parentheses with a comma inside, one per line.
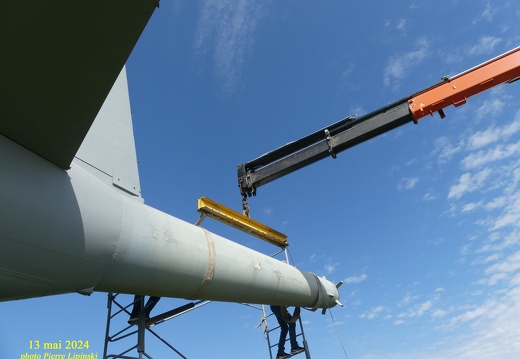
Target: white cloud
(373,313)
(493,134)
(422,308)
(494,333)
(349,69)
(511,214)
(495,203)
(498,242)
(346,81)
(469,182)
(407,183)
(439,313)
(488,13)
(498,153)
(407,299)
(399,24)
(490,108)
(331,267)
(494,279)
(469,207)
(492,164)
(445,150)
(472,314)
(491,258)
(400,65)
(417,310)
(486,44)
(226,30)
(355,279)
(429,196)
(493,325)
(478,312)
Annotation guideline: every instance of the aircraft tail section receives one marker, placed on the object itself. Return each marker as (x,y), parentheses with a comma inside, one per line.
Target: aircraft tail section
(108,150)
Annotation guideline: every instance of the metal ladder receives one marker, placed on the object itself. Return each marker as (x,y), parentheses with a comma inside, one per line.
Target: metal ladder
(267,331)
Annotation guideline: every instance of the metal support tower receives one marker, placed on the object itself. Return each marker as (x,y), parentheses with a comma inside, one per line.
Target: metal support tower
(132,337)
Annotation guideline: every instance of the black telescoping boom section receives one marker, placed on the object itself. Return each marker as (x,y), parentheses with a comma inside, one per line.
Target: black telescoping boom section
(351,131)
(328,141)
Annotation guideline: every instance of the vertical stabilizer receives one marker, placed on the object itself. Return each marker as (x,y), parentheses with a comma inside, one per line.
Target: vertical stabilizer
(108,150)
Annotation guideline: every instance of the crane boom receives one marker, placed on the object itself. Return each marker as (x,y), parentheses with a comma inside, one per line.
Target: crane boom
(339,136)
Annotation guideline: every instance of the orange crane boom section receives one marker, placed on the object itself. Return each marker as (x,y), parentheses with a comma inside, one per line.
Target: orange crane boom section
(350,131)
(455,90)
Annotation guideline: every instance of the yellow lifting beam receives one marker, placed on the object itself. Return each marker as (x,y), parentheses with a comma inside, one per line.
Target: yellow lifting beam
(226,215)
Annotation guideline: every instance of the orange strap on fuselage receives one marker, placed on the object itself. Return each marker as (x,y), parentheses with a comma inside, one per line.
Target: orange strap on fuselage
(455,90)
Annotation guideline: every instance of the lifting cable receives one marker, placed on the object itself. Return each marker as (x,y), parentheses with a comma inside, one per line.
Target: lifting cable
(337,333)
(290,256)
(245,207)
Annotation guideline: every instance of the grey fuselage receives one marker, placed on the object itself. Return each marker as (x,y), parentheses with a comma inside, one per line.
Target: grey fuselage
(67,231)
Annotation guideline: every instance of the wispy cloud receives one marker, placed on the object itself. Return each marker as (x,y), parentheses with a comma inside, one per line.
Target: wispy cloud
(407,299)
(408,183)
(503,269)
(483,194)
(331,267)
(494,134)
(439,313)
(417,310)
(429,196)
(374,312)
(399,24)
(491,160)
(485,45)
(469,182)
(490,108)
(511,214)
(400,65)
(445,150)
(488,14)
(491,171)
(355,279)
(489,178)
(498,153)
(226,31)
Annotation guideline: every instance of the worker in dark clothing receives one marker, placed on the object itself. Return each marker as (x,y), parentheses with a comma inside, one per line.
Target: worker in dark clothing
(134,316)
(286,327)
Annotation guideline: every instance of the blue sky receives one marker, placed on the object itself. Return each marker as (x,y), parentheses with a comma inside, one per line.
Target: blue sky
(422,223)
